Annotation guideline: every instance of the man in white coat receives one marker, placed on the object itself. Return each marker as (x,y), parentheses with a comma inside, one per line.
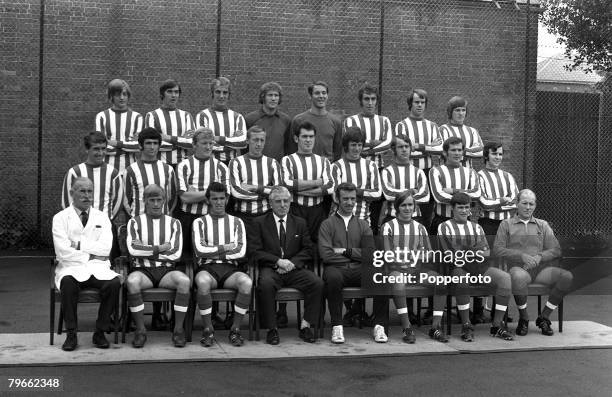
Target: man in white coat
(83,238)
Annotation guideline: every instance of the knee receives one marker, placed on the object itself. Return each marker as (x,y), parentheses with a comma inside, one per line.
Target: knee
(333,279)
(203,282)
(68,283)
(245,285)
(519,277)
(183,284)
(565,280)
(133,283)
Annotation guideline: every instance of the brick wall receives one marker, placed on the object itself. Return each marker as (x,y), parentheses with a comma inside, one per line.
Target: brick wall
(447,47)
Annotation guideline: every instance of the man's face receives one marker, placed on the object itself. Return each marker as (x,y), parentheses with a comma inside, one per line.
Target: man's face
(461,212)
(150,148)
(347,200)
(454,154)
(406,209)
(280,203)
(217,203)
(305,141)
(458,115)
(203,148)
(271,100)
(418,106)
(354,150)
(319,97)
(154,205)
(402,151)
(495,157)
(96,154)
(120,100)
(368,104)
(257,142)
(171,97)
(526,205)
(220,97)
(82,195)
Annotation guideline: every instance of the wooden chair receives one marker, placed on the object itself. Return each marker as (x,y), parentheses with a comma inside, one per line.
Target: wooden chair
(89,295)
(156,295)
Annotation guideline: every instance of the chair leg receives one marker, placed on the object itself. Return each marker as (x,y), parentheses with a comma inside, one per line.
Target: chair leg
(116,319)
(418,314)
(539,304)
(560,308)
(449,313)
(60,321)
(299,314)
(126,323)
(51,316)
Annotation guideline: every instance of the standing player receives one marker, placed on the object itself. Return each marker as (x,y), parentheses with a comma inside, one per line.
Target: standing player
(120,125)
(308,176)
(146,171)
(227,125)
(252,176)
(220,241)
(467,238)
(175,125)
(425,139)
(195,174)
(107,182)
(328,126)
(154,241)
(457,111)
(276,123)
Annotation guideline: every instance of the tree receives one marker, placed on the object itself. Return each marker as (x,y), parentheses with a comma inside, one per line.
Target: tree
(585,28)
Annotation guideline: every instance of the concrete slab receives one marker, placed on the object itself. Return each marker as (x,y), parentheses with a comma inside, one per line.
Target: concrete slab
(33,348)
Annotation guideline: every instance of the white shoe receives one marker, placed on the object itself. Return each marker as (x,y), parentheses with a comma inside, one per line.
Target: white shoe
(337,334)
(379,334)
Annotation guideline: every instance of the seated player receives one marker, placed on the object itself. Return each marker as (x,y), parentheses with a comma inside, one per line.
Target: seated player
(281,246)
(82,238)
(461,236)
(404,232)
(219,240)
(530,247)
(154,241)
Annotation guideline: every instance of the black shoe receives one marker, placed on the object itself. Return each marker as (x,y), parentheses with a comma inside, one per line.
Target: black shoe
(281,319)
(544,325)
(71,342)
(467,332)
(208,338)
(307,335)
(523,327)
(178,338)
(502,332)
(408,335)
(235,338)
(99,340)
(437,334)
(140,338)
(272,337)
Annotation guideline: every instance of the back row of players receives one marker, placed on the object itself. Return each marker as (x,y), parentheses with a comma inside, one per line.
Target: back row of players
(314,138)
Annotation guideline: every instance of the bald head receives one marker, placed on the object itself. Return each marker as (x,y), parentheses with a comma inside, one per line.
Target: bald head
(526,192)
(526,204)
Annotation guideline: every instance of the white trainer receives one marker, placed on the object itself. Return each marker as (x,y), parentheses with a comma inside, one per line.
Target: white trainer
(337,334)
(379,334)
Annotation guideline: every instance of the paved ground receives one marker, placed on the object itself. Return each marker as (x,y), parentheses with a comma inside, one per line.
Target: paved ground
(24,288)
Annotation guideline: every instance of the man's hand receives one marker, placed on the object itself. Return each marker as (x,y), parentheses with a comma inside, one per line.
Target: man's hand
(284,266)
(248,187)
(229,247)
(164,247)
(448,190)
(98,257)
(529,262)
(166,137)
(74,244)
(111,142)
(188,134)
(505,200)
(339,250)
(436,142)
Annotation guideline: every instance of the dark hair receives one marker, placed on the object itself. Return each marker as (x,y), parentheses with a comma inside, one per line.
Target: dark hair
(93,138)
(401,198)
(460,198)
(166,85)
(270,86)
(487,147)
(220,81)
(321,83)
(404,138)
(116,86)
(422,94)
(305,125)
(215,187)
(345,187)
(352,134)
(367,88)
(453,140)
(455,102)
(148,133)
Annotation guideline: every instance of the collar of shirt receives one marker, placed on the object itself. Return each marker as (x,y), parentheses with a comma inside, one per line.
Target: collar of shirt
(516,219)
(263,114)
(78,211)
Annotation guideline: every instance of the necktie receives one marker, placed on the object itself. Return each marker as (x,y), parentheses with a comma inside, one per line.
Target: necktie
(282,235)
(84,218)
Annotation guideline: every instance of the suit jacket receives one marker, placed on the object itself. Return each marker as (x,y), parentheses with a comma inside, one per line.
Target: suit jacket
(264,243)
(96,238)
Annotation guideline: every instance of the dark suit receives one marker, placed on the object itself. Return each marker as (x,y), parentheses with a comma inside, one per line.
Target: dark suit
(264,247)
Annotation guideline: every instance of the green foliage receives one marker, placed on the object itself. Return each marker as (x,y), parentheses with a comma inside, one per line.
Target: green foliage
(585,27)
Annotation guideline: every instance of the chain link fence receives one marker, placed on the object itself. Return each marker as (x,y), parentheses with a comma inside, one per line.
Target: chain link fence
(482,50)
